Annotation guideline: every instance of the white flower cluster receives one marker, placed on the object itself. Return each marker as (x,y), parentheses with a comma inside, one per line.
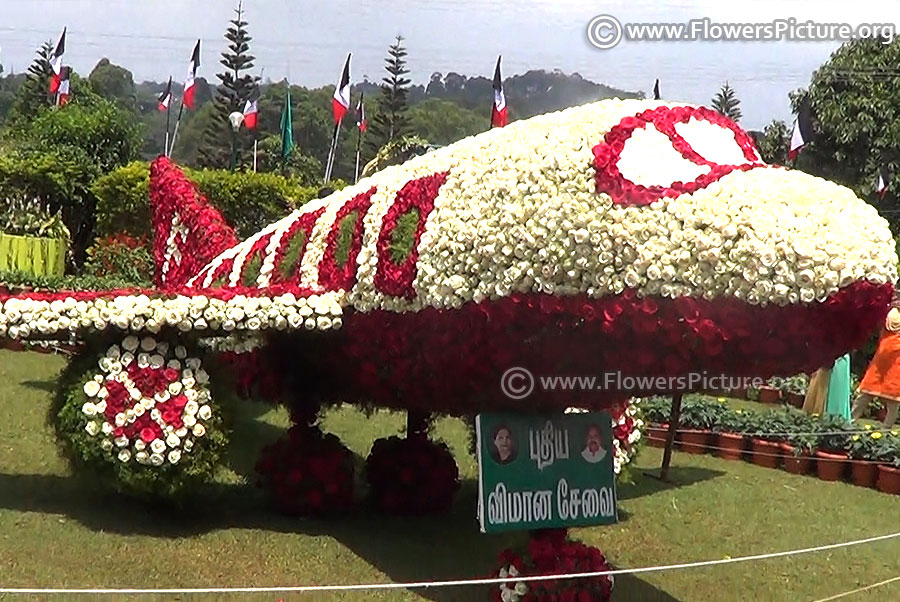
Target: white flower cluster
(519,212)
(234,343)
(26,318)
(511,594)
(192,383)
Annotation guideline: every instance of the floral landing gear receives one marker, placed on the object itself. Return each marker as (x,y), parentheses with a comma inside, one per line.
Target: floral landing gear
(550,552)
(412,476)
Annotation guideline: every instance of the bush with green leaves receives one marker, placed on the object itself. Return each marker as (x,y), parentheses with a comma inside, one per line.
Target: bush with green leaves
(700,414)
(121,256)
(248,201)
(14,281)
(732,421)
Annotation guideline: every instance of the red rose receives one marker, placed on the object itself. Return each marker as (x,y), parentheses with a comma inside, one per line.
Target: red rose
(147,435)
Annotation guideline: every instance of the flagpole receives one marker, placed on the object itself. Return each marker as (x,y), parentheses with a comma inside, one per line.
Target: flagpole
(175,133)
(331,152)
(168,118)
(358,138)
(255,148)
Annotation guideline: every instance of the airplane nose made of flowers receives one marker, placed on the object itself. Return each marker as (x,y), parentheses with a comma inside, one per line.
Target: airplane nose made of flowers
(773,235)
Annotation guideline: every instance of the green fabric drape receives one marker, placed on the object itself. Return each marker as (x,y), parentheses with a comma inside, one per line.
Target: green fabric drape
(36,256)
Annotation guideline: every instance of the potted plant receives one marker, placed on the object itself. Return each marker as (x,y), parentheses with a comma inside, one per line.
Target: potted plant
(793,390)
(864,448)
(730,428)
(657,411)
(799,446)
(831,450)
(769,393)
(889,469)
(32,239)
(698,416)
(767,431)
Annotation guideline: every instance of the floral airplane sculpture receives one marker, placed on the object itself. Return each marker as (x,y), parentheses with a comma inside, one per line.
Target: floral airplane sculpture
(636,237)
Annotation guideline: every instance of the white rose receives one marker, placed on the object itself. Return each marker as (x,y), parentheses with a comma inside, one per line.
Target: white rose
(106,428)
(120,419)
(91,388)
(158,446)
(188,445)
(148,344)
(199,430)
(140,445)
(174,388)
(92,428)
(174,456)
(191,408)
(142,457)
(124,455)
(143,360)
(202,377)
(130,343)
(126,359)
(205,412)
(189,421)
(114,352)
(156,460)
(182,432)
(157,362)
(106,445)
(180,352)
(121,441)
(104,364)
(172,440)
(174,365)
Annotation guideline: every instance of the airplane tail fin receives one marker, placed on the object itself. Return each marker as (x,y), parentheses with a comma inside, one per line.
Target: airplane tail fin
(188,231)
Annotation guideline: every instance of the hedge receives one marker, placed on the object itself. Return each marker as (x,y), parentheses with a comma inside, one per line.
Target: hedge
(249,201)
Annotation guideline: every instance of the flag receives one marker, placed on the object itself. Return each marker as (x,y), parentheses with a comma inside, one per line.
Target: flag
(361,115)
(340,104)
(166,97)
(882,183)
(189,87)
(63,90)
(802,130)
(656,90)
(498,111)
(56,62)
(287,130)
(251,109)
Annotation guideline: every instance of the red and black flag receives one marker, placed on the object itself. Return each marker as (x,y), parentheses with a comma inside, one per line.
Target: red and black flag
(881,185)
(498,111)
(189,87)
(340,103)
(656,90)
(803,130)
(56,62)
(361,115)
(165,99)
(63,91)
(251,109)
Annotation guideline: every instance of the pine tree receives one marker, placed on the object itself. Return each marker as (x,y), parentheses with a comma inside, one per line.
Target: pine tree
(391,121)
(34,92)
(727,103)
(235,86)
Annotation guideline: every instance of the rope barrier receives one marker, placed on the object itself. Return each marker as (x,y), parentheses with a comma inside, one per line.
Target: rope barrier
(453,583)
(859,590)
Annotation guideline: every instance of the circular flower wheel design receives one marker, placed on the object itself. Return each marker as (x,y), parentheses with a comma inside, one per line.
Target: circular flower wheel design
(139,415)
(148,402)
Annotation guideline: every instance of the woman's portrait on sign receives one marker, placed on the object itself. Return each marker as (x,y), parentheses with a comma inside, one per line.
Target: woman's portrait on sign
(502,445)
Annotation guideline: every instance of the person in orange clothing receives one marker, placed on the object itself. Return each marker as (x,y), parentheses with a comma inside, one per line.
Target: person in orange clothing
(882,378)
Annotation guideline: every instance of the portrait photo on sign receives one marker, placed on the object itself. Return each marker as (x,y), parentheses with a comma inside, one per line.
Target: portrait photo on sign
(503,447)
(593,451)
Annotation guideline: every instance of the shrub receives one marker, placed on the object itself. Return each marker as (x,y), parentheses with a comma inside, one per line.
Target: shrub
(23,216)
(249,201)
(121,256)
(733,421)
(656,409)
(701,414)
(13,281)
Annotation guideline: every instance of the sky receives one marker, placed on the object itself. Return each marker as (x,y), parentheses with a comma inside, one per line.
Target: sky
(307,41)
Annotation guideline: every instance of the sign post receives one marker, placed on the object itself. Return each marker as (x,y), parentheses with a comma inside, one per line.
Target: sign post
(545,472)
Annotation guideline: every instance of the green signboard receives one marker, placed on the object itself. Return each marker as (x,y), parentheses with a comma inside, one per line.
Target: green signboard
(540,472)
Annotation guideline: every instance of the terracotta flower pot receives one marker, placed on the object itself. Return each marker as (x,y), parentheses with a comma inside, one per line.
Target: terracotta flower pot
(830,467)
(657,434)
(795,464)
(769,395)
(694,442)
(731,446)
(796,399)
(888,479)
(739,393)
(863,474)
(765,453)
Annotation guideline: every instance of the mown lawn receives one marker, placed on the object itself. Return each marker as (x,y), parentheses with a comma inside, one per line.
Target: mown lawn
(56,532)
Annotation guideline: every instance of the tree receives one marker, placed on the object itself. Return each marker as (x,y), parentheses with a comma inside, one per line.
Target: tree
(726,102)
(234,89)
(774,142)
(444,122)
(34,92)
(114,83)
(854,98)
(308,170)
(391,121)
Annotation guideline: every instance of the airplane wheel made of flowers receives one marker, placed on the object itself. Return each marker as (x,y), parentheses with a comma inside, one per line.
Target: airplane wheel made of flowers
(412,476)
(140,414)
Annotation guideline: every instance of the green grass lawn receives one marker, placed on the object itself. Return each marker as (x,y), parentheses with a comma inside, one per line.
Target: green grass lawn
(55,531)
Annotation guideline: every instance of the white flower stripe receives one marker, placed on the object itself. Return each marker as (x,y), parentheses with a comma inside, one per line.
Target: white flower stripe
(24,318)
